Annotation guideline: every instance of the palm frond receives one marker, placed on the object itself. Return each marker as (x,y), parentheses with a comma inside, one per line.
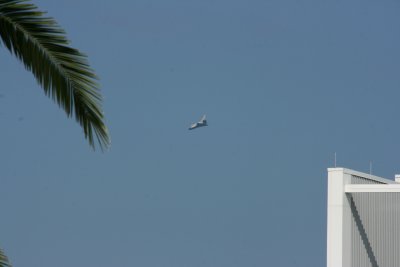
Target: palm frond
(4,260)
(62,71)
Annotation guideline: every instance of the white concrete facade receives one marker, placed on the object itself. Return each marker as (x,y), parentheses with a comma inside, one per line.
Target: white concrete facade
(345,224)
(338,215)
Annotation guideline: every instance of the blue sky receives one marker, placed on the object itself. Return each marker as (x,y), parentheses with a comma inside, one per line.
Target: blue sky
(285,84)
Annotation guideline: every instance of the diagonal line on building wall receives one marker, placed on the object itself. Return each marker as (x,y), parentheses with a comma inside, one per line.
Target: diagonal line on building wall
(362,232)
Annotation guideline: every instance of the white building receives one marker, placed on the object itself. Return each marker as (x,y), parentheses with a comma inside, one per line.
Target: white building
(363,226)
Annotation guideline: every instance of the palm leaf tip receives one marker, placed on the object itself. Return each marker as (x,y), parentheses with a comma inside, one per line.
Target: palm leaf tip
(4,260)
(62,71)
